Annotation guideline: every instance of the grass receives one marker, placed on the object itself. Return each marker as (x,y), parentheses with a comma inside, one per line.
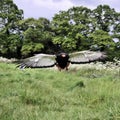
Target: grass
(47,94)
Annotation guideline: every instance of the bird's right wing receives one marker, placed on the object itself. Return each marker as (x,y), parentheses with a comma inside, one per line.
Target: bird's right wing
(86,57)
(38,61)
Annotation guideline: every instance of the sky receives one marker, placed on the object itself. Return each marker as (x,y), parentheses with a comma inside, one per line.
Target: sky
(48,8)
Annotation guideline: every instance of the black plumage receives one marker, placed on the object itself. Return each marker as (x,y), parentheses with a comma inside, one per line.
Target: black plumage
(62,60)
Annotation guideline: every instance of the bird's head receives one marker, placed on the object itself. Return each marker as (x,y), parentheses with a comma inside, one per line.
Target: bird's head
(63,54)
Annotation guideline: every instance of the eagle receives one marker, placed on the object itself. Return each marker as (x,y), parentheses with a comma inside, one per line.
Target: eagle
(62,60)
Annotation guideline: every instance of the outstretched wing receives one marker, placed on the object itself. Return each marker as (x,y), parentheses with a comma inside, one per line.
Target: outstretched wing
(86,57)
(38,61)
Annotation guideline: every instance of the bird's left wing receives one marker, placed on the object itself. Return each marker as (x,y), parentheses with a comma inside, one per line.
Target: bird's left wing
(38,61)
(86,57)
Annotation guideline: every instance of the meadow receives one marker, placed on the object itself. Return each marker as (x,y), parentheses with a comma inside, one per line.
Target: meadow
(84,93)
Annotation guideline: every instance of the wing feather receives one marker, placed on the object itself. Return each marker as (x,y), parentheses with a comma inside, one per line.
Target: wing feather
(38,61)
(86,57)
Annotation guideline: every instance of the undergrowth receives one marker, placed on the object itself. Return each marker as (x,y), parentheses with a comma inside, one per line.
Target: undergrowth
(48,94)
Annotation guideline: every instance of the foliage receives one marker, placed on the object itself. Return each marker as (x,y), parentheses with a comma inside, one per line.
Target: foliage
(105,17)
(36,34)
(31,48)
(9,33)
(78,28)
(84,93)
(70,28)
(89,29)
(102,40)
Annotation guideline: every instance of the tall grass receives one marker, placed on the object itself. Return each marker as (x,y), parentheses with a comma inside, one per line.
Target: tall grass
(47,94)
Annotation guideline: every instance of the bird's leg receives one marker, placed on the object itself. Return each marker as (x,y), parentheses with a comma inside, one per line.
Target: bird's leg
(68,63)
(59,68)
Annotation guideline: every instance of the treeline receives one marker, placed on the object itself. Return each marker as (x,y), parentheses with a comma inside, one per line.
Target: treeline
(76,29)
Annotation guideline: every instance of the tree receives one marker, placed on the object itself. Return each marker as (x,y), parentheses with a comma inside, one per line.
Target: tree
(71,27)
(104,18)
(80,28)
(9,34)
(116,36)
(37,36)
(102,39)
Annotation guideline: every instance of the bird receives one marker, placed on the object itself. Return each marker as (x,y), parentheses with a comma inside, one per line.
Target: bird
(62,60)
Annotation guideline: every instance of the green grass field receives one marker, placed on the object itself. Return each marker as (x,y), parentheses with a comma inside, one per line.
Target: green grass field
(47,94)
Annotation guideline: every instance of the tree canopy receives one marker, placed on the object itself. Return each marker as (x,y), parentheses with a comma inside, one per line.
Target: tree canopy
(78,28)
(10,41)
